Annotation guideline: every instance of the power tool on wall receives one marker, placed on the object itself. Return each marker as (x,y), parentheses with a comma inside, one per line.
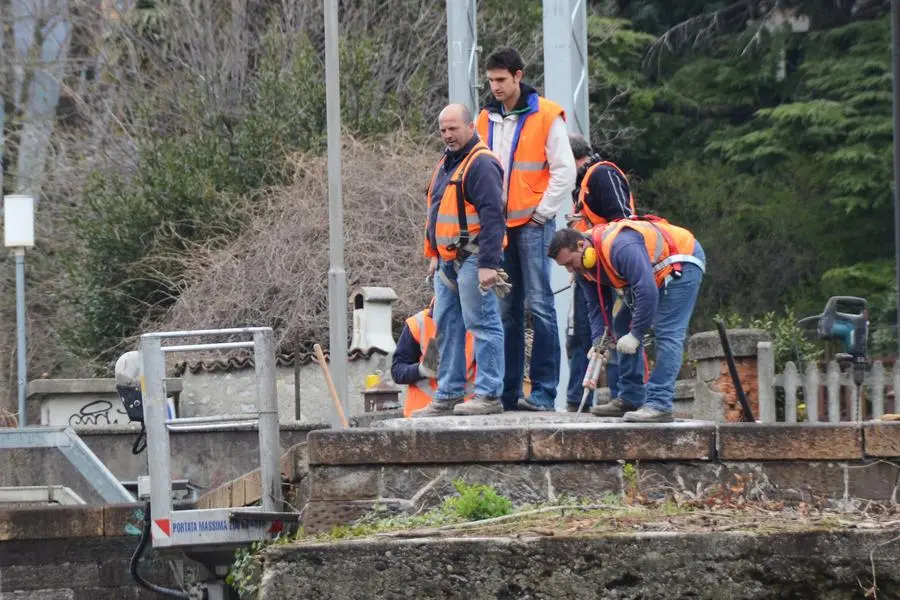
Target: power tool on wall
(845,321)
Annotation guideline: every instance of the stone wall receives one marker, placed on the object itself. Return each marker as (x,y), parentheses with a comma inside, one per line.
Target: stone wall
(738,566)
(233,391)
(406,467)
(77,553)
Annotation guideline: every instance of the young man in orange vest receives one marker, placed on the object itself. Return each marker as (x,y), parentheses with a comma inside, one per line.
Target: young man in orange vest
(408,369)
(528,134)
(657,268)
(464,237)
(602,194)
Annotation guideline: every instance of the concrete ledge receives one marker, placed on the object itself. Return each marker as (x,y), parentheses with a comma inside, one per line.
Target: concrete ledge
(68,522)
(706,345)
(787,441)
(44,387)
(405,446)
(882,439)
(615,441)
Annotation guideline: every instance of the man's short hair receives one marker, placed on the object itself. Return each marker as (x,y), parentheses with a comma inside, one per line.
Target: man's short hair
(567,238)
(504,58)
(581,148)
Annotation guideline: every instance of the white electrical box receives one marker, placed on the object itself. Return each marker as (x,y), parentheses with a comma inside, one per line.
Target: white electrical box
(18,221)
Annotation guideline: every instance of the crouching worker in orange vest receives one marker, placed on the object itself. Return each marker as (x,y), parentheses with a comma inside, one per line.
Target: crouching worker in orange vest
(464,237)
(657,268)
(407,365)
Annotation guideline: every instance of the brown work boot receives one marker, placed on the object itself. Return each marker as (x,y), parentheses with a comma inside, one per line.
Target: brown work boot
(437,408)
(614,408)
(646,414)
(479,405)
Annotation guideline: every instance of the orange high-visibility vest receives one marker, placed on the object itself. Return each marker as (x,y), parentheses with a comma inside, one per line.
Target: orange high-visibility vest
(588,217)
(447,229)
(667,247)
(420,394)
(528,171)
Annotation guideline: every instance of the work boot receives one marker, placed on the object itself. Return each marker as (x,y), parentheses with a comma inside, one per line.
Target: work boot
(647,414)
(479,405)
(573,408)
(437,408)
(613,408)
(527,404)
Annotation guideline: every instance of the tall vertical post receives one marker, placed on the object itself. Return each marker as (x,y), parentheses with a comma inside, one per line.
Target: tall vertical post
(269,432)
(895,36)
(153,396)
(337,276)
(21,346)
(566,82)
(462,52)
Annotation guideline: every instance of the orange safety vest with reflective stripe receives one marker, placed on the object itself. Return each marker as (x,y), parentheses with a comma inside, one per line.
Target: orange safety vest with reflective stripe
(528,172)
(420,394)
(447,231)
(667,246)
(589,218)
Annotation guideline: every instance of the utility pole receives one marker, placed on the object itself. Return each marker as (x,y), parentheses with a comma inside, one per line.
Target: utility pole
(337,276)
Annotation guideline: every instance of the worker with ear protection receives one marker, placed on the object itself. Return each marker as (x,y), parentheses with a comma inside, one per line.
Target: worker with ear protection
(601,195)
(657,268)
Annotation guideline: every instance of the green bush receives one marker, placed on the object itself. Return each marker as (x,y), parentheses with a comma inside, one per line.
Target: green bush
(476,502)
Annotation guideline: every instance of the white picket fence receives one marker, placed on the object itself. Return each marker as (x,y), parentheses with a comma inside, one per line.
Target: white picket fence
(839,385)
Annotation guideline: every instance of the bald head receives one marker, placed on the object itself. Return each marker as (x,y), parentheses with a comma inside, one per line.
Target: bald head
(456,126)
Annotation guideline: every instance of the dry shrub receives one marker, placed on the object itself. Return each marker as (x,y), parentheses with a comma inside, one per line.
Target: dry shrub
(276,272)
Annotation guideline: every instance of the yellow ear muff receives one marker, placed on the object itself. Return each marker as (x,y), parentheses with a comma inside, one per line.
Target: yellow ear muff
(589,258)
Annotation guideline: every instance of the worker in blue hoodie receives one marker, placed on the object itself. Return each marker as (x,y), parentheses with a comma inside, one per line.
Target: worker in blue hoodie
(657,269)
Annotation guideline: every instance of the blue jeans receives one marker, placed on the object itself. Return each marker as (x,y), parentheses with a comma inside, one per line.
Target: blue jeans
(676,305)
(528,266)
(624,373)
(457,310)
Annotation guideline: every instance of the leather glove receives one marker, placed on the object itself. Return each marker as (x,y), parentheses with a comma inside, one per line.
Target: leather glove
(502,286)
(628,344)
(426,372)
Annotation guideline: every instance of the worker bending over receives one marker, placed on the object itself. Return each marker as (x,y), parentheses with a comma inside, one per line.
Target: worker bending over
(657,268)
(601,195)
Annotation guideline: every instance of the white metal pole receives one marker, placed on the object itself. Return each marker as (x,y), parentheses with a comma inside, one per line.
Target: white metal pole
(269,432)
(21,347)
(337,276)
(565,82)
(462,53)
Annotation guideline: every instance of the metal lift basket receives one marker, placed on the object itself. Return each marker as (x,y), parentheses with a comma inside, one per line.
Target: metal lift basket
(217,528)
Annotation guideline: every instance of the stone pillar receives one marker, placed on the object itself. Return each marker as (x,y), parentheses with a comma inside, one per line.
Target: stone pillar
(715,398)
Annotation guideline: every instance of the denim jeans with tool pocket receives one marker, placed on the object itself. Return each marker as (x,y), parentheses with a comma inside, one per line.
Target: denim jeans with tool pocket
(460,305)
(528,266)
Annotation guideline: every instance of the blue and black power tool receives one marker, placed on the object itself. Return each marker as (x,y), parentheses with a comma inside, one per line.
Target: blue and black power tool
(845,320)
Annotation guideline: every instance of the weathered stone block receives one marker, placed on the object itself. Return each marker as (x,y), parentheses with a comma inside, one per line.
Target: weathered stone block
(428,486)
(404,446)
(323,515)
(45,577)
(617,441)
(123,519)
(64,594)
(343,483)
(51,522)
(789,481)
(582,480)
(789,441)
(873,480)
(882,439)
